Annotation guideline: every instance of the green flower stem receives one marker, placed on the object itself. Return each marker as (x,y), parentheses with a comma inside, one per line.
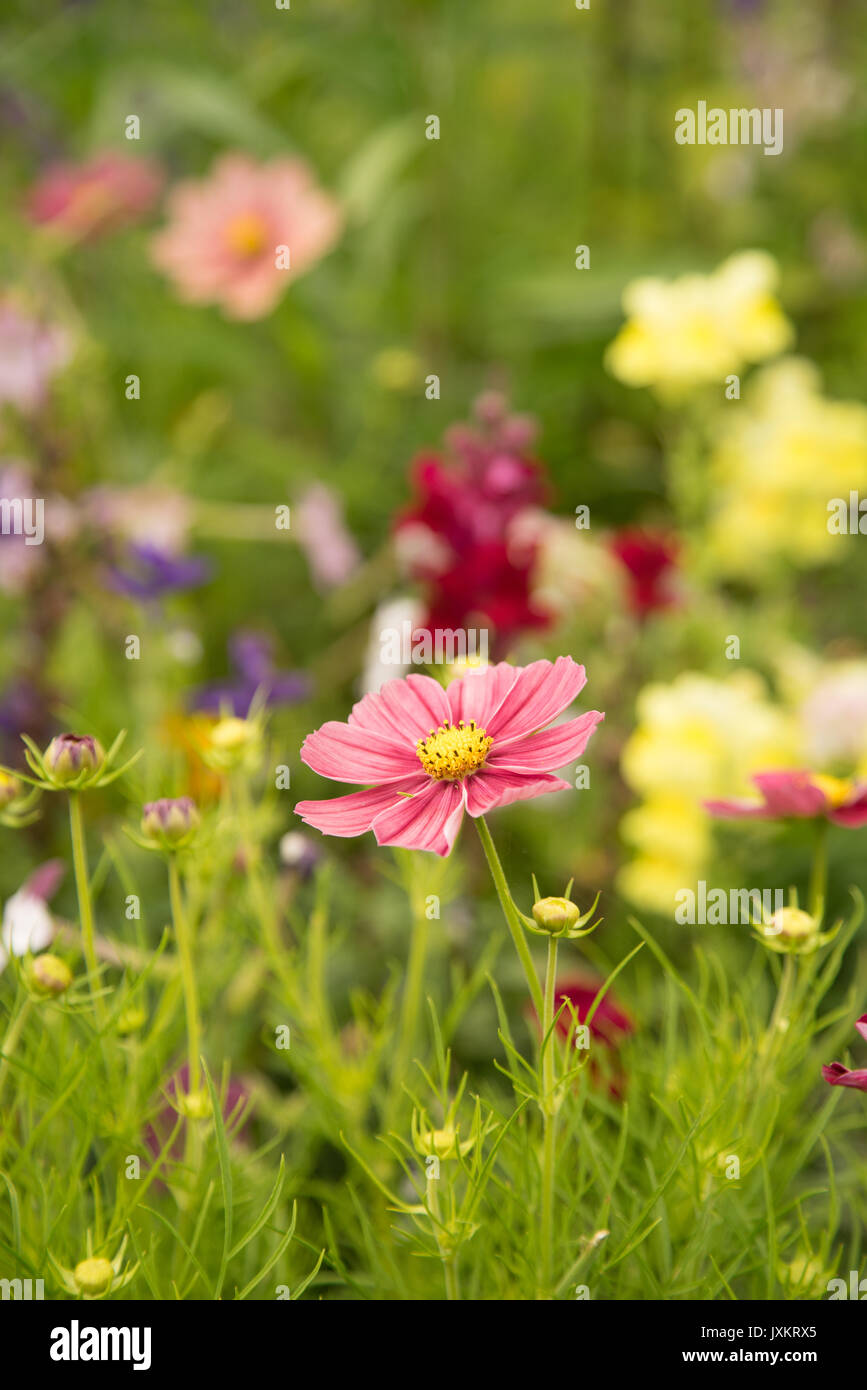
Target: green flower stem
(510,913)
(409,1009)
(549,1118)
(10,1041)
(85,904)
(188,976)
(450,1269)
(263,902)
(819,871)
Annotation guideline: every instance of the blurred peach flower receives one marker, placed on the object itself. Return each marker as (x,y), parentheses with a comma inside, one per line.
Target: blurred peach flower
(31,354)
(100,195)
(225,233)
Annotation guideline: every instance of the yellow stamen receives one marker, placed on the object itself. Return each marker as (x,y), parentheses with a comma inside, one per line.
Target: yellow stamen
(246,234)
(453,751)
(837,789)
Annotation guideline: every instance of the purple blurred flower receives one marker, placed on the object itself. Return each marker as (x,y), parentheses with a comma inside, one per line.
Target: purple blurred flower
(31,354)
(251,655)
(151,573)
(235,1107)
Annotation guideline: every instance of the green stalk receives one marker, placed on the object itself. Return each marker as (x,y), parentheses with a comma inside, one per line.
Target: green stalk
(262,900)
(510,913)
(85,904)
(549,1120)
(410,1003)
(10,1040)
(188,976)
(450,1269)
(819,871)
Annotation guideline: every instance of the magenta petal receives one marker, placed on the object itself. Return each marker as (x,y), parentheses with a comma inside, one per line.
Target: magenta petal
(544,751)
(838,1075)
(414,706)
(500,786)
(350,754)
(853,815)
(479,694)
(861,1025)
(790,794)
(354,814)
(430,820)
(541,692)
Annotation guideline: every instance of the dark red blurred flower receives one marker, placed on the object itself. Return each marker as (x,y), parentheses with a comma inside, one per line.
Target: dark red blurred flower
(837,1075)
(609,1024)
(649,559)
(454,537)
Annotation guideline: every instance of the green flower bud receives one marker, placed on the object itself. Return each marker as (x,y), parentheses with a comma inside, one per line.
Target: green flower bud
(556,914)
(93,1276)
(50,974)
(10,788)
(792,924)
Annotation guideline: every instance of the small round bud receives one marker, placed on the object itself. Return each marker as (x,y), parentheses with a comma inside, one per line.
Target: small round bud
(230,743)
(68,756)
(170,822)
(791,924)
(131,1020)
(94,1276)
(10,788)
(195,1104)
(50,974)
(443,1142)
(555,914)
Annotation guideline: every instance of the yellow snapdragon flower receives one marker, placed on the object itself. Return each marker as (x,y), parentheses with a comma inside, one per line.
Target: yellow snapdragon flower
(697,329)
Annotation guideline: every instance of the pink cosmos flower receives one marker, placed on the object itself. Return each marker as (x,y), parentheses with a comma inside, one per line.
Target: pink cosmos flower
(838,1075)
(100,195)
(221,244)
(431,754)
(800,794)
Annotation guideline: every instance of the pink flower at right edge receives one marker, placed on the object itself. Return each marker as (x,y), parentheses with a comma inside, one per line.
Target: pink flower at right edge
(431,754)
(804,795)
(838,1075)
(220,246)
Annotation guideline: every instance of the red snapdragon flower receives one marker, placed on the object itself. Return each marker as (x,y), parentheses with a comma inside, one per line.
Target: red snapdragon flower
(649,559)
(454,537)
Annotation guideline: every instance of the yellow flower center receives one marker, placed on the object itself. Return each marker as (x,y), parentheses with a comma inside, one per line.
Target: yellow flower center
(837,789)
(453,751)
(246,234)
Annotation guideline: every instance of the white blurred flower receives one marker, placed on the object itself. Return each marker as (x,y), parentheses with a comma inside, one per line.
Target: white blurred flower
(27,926)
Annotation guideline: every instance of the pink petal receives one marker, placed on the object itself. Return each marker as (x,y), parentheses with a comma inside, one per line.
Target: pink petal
(354,814)
(783,794)
(540,692)
(499,786)
(348,753)
(412,707)
(790,794)
(479,694)
(861,1025)
(853,815)
(544,751)
(430,820)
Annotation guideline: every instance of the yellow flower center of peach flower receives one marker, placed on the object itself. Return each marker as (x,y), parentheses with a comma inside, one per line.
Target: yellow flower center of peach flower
(246,234)
(453,751)
(837,789)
